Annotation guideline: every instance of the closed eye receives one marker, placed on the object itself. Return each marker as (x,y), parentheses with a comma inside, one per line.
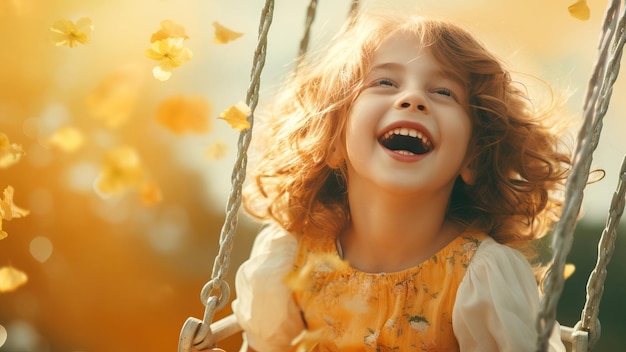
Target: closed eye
(446,92)
(383,82)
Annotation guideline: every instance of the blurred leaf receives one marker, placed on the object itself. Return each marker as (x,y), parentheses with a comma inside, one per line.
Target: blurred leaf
(114,99)
(216,150)
(182,114)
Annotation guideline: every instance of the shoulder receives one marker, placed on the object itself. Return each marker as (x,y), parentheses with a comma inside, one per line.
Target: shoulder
(492,257)
(264,307)
(273,238)
(497,301)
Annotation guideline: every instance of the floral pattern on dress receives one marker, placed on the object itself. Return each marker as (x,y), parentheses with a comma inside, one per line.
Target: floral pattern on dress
(348,310)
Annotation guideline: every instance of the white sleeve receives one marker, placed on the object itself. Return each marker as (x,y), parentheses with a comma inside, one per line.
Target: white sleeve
(264,306)
(497,303)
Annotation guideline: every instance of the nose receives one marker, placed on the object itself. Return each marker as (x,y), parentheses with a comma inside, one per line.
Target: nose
(412,100)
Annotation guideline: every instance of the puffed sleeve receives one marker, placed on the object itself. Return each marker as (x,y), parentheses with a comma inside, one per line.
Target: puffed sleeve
(264,306)
(497,303)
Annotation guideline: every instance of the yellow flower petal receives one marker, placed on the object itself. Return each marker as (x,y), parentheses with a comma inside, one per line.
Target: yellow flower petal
(113,101)
(8,210)
(3,234)
(580,10)
(151,194)
(224,35)
(237,115)
(65,32)
(568,270)
(169,29)
(170,53)
(216,150)
(182,114)
(68,139)
(162,72)
(11,279)
(10,153)
(121,169)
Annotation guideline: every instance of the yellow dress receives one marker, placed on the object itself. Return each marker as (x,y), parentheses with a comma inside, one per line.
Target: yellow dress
(348,310)
(495,308)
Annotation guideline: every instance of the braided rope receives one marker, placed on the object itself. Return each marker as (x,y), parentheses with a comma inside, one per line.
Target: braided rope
(222,260)
(310,17)
(354,11)
(596,104)
(595,286)
(197,334)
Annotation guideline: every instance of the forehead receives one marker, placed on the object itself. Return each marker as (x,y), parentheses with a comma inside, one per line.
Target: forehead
(405,50)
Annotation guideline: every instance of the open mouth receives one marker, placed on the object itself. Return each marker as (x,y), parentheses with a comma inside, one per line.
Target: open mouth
(406,141)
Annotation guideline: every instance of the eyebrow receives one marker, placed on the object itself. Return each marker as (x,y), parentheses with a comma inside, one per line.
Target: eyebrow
(398,66)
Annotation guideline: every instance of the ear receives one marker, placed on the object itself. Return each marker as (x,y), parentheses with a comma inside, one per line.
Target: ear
(335,158)
(468,174)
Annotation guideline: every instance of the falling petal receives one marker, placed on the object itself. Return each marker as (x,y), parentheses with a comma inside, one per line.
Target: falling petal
(568,270)
(11,279)
(8,209)
(113,101)
(182,114)
(237,116)
(169,29)
(65,32)
(3,234)
(121,169)
(68,139)
(216,150)
(580,10)
(170,53)
(10,153)
(162,73)
(224,35)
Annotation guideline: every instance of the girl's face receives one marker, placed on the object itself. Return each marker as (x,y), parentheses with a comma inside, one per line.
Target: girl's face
(409,128)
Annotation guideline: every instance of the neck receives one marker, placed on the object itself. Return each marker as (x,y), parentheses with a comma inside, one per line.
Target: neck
(391,232)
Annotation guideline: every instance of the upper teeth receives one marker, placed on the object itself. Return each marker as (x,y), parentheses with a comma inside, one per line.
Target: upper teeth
(403,131)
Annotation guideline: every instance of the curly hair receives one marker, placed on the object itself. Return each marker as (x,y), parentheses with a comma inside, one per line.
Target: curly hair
(515,150)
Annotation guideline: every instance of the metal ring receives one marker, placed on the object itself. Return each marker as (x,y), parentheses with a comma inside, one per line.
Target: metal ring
(207,292)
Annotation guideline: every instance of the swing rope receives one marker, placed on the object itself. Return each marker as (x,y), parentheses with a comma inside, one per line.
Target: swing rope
(310,17)
(195,333)
(595,286)
(597,99)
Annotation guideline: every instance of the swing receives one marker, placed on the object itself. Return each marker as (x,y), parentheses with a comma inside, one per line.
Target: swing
(197,335)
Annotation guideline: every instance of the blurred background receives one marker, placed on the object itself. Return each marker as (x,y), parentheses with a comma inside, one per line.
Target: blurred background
(126,202)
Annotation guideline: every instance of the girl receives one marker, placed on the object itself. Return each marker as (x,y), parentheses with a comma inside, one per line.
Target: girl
(403,180)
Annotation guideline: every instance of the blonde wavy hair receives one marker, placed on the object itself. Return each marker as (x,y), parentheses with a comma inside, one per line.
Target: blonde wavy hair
(515,150)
